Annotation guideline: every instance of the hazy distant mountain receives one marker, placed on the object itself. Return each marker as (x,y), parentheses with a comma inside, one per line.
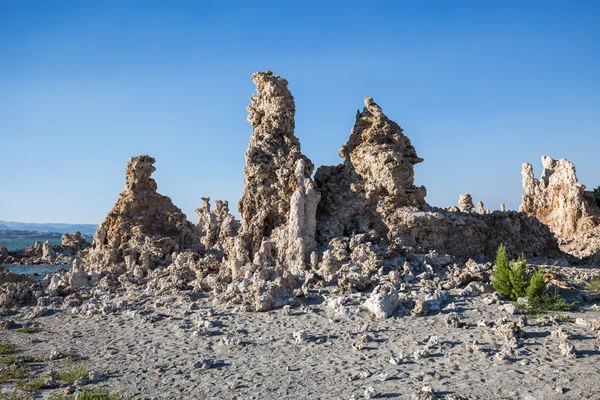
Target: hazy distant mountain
(50,227)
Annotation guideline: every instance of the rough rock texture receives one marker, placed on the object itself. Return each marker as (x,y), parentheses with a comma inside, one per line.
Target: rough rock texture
(465,203)
(8,277)
(278,204)
(561,202)
(373,191)
(216,226)
(470,235)
(480,208)
(376,177)
(144,227)
(73,244)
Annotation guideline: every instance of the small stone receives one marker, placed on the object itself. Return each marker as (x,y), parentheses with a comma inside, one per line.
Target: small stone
(396,360)
(382,377)
(55,355)
(370,393)
(559,389)
(567,349)
(300,336)
(203,363)
(560,333)
(81,382)
(50,383)
(94,375)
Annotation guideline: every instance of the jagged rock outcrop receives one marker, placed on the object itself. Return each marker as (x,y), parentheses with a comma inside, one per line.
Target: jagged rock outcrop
(278,204)
(216,226)
(144,227)
(373,191)
(6,257)
(376,177)
(73,244)
(558,200)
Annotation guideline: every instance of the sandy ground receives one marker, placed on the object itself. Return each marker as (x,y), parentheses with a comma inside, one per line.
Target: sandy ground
(150,353)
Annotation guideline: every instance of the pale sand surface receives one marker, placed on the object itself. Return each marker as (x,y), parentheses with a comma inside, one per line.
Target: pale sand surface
(151,354)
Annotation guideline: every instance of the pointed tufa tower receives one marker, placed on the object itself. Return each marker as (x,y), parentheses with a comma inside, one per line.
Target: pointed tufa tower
(143,227)
(376,177)
(278,204)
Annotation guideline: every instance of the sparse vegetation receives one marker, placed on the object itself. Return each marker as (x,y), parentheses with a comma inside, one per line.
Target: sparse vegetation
(13,372)
(6,348)
(594,285)
(89,394)
(29,329)
(72,374)
(14,396)
(32,385)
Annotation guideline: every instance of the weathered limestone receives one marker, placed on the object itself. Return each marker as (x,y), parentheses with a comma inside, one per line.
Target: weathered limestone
(278,204)
(465,203)
(377,176)
(78,277)
(480,208)
(143,226)
(73,244)
(558,200)
(216,226)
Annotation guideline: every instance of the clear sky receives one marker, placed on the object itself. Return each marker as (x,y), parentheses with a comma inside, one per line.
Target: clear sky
(478,86)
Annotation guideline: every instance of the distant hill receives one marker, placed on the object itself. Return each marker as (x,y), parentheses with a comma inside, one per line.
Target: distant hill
(89,229)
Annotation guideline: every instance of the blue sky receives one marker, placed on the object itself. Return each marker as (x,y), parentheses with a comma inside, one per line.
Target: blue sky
(478,86)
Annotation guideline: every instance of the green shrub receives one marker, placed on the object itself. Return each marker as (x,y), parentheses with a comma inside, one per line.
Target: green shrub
(501,273)
(550,300)
(537,286)
(518,278)
(509,278)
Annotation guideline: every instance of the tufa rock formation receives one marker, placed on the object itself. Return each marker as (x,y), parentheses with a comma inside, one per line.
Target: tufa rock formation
(465,203)
(376,177)
(216,226)
(558,200)
(373,192)
(143,226)
(278,204)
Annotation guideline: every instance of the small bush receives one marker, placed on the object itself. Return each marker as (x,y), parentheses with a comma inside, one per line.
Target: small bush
(509,278)
(501,273)
(537,286)
(550,300)
(594,285)
(518,278)
(71,375)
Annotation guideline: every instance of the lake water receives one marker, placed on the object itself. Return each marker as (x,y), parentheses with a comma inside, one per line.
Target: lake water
(39,270)
(20,244)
